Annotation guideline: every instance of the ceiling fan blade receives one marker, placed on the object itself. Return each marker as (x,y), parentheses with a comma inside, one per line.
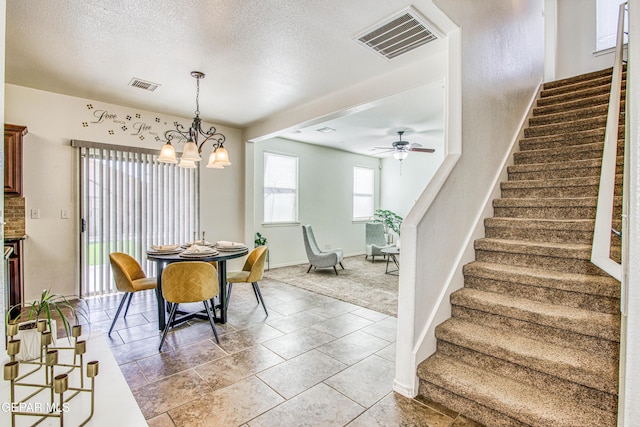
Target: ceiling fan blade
(422,150)
(382,148)
(415,145)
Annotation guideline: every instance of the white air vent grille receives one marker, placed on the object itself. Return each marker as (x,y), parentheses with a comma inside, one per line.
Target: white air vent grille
(143,84)
(397,36)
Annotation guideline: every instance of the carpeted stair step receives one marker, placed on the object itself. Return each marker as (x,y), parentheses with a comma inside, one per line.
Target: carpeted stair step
(588,292)
(567,139)
(567,363)
(589,112)
(569,257)
(581,78)
(569,169)
(540,316)
(500,401)
(563,154)
(540,230)
(551,208)
(574,105)
(548,188)
(571,126)
(570,390)
(602,82)
(550,99)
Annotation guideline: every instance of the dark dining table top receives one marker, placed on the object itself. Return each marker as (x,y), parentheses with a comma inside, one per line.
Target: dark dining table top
(220,256)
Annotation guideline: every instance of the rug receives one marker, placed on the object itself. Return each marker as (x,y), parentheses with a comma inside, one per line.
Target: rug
(361,283)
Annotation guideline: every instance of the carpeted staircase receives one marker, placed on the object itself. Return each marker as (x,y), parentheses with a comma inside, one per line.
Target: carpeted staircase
(534,335)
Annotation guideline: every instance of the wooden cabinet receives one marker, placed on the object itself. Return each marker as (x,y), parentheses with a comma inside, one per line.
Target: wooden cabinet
(13,159)
(15,273)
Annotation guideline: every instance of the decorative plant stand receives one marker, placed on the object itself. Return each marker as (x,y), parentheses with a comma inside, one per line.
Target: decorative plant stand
(47,389)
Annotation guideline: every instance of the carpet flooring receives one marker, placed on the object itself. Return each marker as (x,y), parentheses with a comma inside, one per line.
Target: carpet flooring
(361,282)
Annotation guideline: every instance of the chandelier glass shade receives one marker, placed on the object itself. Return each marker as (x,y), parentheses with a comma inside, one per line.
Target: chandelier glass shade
(219,157)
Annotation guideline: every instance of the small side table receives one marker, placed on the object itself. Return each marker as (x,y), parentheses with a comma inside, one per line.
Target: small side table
(391,255)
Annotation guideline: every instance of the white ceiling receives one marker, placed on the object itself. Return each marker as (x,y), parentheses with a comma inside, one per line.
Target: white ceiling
(259,57)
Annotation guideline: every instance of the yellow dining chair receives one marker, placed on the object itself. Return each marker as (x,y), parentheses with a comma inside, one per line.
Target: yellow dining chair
(189,281)
(129,279)
(251,272)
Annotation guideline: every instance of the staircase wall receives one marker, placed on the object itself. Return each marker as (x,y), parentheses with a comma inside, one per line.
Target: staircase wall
(501,67)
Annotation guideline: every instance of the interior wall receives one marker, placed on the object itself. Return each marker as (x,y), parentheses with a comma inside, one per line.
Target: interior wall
(325,192)
(502,65)
(576,39)
(403,182)
(50,177)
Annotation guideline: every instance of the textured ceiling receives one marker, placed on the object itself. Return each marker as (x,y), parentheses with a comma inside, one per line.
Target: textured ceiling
(259,57)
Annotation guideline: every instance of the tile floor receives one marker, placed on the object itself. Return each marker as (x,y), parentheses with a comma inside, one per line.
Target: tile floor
(315,361)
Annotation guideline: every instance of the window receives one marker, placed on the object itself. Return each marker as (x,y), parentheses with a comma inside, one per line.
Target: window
(280,188)
(607,12)
(362,193)
(129,202)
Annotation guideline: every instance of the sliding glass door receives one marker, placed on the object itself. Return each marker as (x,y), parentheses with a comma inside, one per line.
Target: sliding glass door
(130,201)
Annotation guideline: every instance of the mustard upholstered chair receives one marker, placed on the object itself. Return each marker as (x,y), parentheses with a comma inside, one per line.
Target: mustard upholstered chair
(129,279)
(251,273)
(189,281)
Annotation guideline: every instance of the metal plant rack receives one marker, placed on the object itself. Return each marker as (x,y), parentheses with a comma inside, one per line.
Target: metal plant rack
(50,384)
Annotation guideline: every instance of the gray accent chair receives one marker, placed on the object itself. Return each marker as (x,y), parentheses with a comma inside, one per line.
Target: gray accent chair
(318,258)
(375,240)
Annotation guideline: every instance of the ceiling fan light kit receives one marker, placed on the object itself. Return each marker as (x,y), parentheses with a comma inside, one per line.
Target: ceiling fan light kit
(401,148)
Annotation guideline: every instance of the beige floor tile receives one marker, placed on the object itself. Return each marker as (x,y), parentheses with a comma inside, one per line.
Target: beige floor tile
(366,382)
(163,420)
(300,373)
(333,308)
(194,331)
(396,410)
(353,347)
(317,407)
(229,406)
(137,350)
(462,421)
(133,375)
(245,338)
(296,343)
(170,362)
(295,322)
(374,316)
(385,329)
(228,370)
(168,393)
(296,306)
(342,325)
(389,352)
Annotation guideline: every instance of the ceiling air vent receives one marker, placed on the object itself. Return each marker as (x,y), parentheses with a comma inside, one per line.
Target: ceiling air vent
(397,35)
(143,84)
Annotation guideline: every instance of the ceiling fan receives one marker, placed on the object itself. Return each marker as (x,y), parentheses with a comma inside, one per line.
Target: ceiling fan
(401,148)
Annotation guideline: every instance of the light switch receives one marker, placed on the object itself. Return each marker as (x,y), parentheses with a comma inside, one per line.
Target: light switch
(64,214)
(35,213)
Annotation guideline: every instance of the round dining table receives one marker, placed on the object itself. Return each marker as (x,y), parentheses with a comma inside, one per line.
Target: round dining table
(162,260)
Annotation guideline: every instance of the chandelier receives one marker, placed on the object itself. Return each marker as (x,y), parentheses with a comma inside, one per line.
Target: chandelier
(218,159)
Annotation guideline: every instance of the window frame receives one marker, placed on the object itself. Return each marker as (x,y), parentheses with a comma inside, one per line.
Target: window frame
(294,220)
(372,195)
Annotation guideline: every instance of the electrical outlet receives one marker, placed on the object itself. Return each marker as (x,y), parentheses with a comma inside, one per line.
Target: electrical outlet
(327,247)
(35,213)
(64,213)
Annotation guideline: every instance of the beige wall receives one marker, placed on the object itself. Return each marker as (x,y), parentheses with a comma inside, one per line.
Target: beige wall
(325,183)
(501,66)
(50,178)
(576,39)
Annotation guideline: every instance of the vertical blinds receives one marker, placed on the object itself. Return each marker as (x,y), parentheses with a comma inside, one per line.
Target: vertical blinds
(130,201)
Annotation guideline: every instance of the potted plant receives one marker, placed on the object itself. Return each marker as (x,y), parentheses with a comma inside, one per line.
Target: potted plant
(389,219)
(49,308)
(260,240)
